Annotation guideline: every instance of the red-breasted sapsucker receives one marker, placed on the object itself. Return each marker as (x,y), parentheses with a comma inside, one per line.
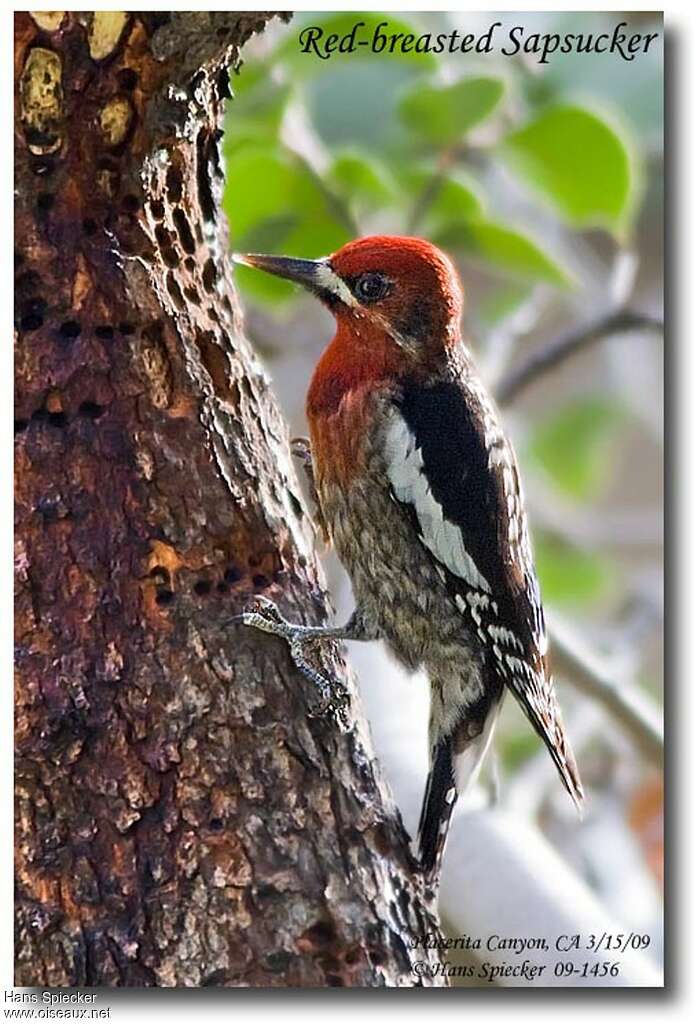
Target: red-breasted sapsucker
(418,487)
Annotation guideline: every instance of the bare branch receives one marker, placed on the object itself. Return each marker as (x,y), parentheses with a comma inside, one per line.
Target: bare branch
(551,355)
(632,709)
(432,187)
(500,870)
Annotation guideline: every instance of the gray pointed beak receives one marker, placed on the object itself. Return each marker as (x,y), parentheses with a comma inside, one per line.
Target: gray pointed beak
(304,272)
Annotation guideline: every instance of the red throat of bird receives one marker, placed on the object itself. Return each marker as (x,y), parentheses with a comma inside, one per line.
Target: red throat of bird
(359,355)
(340,391)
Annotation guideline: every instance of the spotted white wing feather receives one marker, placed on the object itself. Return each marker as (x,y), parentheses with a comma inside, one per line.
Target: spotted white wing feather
(448,460)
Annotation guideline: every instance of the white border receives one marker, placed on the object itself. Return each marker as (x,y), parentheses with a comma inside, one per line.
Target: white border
(571,1004)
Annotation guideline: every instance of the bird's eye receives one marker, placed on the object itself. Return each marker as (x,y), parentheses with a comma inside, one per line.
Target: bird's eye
(371,286)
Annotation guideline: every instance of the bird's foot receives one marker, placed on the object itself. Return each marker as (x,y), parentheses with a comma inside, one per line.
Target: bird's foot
(300,448)
(266,616)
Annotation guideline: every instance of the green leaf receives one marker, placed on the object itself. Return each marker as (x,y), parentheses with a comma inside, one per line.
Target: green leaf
(639,97)
(455,198)
(568,576)
(579,162)
(262,288)
(268,234)
(518,747)
(360,180)
(575,446)
(260,184)
(257,107)
(444,114)
(354,104)
(274,204)
(493,307)
(316,235)
(305,61)
(504,248)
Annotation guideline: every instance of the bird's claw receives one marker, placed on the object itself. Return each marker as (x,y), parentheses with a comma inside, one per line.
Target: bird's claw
(300,447)
(264,615)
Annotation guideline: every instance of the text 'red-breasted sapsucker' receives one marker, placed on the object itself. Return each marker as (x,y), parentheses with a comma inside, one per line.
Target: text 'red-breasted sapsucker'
(419,491)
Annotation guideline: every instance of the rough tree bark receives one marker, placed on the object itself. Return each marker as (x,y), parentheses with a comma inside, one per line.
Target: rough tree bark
(180,819)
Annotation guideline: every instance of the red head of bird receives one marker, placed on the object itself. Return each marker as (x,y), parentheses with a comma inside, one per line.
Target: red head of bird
(397,303)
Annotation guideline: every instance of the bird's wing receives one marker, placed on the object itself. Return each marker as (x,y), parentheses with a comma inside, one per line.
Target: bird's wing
(448,459)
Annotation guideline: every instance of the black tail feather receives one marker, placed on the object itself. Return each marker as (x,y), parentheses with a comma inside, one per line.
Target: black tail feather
(439,801)
(547,722)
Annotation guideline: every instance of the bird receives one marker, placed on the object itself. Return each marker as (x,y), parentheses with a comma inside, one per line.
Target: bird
(418,490)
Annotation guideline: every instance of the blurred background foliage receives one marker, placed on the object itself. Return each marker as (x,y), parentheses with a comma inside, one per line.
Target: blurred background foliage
(544,182)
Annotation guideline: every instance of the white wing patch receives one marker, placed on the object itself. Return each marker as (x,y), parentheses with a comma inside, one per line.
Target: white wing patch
(405,469)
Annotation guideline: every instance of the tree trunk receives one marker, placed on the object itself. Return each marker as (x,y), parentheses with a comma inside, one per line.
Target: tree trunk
(180,819)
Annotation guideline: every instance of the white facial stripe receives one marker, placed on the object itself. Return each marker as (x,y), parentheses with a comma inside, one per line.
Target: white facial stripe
(444,539)
(328,279)
(398,338)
